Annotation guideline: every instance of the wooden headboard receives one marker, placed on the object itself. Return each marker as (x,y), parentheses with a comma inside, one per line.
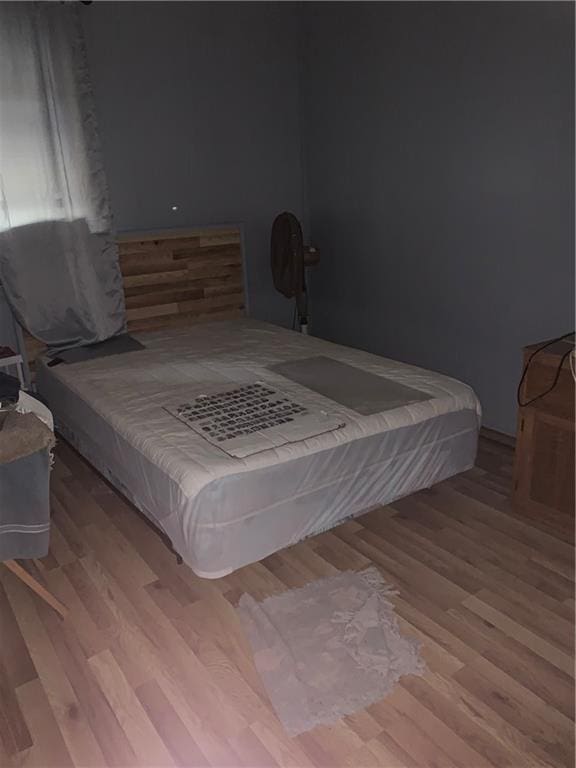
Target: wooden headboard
(177,277)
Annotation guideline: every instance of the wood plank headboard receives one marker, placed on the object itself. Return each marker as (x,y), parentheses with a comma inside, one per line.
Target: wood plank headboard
(177,277)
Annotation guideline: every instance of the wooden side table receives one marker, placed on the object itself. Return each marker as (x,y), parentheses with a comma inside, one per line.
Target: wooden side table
(544,460)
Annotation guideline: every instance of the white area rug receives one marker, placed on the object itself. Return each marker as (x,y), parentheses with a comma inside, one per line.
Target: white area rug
(328,649)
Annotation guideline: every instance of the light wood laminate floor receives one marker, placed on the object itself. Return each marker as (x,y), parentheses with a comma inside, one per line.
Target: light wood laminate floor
(150,667)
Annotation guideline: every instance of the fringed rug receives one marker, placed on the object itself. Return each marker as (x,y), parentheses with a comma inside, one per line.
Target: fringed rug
(328,649)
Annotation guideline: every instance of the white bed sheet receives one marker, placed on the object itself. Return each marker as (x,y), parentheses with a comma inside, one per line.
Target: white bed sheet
(221,512)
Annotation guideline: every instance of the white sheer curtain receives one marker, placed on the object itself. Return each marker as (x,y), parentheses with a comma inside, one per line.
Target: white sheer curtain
(58,257)
(50,165)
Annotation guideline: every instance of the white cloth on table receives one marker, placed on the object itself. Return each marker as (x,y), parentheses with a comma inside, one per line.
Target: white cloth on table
(28,404)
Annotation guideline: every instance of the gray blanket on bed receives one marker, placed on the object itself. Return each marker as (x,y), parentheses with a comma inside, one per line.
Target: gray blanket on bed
(352,387)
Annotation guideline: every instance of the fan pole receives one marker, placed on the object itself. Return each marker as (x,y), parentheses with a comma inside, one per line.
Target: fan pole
(302,309)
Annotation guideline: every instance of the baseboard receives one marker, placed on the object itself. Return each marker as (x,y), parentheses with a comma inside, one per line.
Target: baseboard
(498,437)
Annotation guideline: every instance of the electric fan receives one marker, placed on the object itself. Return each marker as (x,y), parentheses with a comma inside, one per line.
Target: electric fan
(289,258)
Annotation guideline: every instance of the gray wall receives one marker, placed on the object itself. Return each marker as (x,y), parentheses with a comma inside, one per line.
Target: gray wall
(439,157)
(198,106)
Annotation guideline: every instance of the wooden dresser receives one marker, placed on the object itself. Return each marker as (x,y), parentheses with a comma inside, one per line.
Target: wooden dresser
(544,461)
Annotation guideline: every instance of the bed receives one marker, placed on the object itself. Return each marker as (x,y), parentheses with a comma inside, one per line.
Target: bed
(221,512)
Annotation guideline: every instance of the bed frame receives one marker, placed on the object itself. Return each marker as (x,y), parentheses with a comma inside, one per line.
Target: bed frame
(177,277)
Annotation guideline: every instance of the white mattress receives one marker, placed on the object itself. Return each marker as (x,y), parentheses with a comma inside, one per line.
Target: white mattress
(222,512)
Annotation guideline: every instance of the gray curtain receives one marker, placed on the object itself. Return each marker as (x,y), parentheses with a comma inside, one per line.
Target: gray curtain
(63,283)
(58,258)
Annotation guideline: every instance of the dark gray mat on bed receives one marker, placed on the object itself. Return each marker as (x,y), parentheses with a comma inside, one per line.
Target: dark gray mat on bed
(363,392)
(117,345)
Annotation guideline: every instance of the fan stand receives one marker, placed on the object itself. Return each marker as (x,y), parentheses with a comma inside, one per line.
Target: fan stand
(302,310)
(311,258)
